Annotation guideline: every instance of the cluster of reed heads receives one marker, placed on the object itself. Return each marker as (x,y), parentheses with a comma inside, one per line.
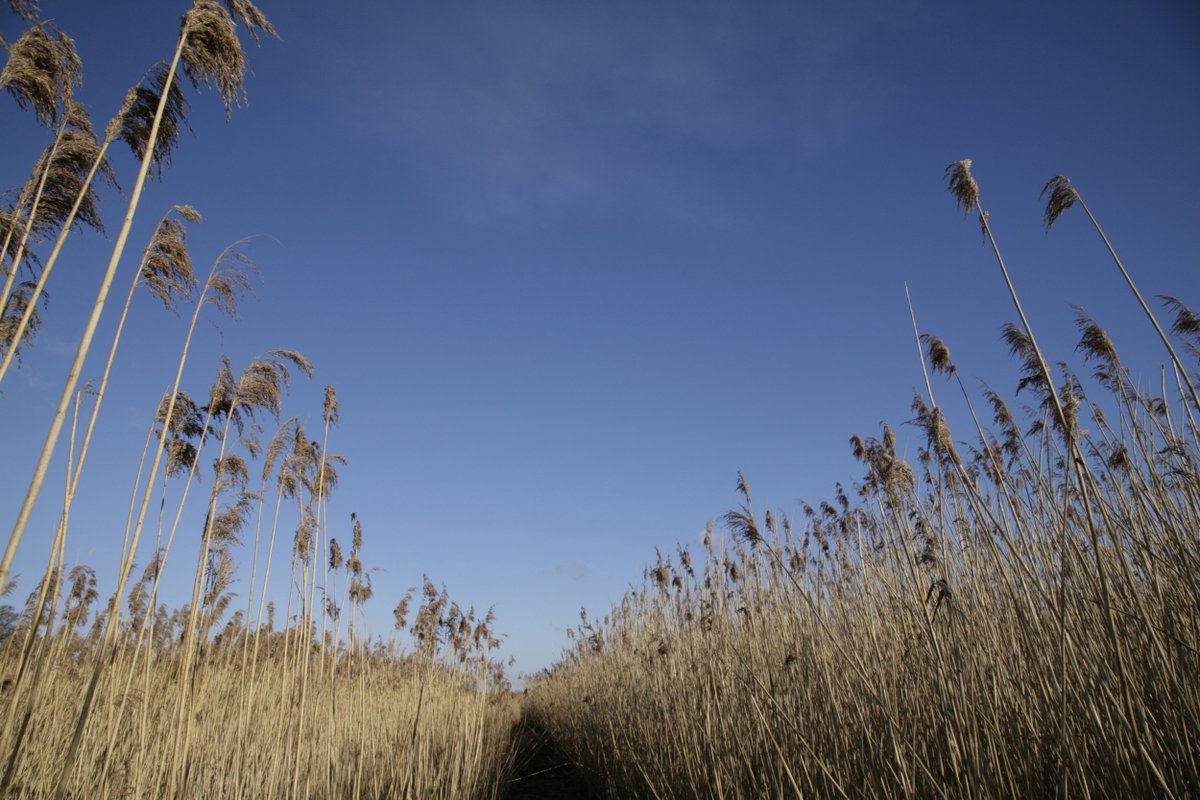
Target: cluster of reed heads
(1014,614)
(220,697)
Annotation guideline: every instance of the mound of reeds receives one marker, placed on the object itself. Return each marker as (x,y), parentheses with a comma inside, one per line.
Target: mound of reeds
(1015,614)
(125,698)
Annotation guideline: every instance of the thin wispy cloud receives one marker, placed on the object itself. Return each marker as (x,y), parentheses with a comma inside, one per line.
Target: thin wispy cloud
(549,112)
(35,381)
(61,347)
(574,570)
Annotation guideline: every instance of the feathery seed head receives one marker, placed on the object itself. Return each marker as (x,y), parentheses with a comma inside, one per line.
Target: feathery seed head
(42,71)
(660,573)
(12,222)
(212,54)
(186,418)
(166,264)
(742,486)
(25,9)
(220,394)
(937,432)
(80,577)
(1021,346)
(229,523)
(400,613)
(939,354)
(1096,345)
(942,436)
(112,131)
(252,441)
(231,277)
(1062,196)
(261,385)
(1072,397)
(256,23)
(276,446)
(961,183)
(1118,460)
(289,480)
(133,122)
(303,543)
(327,475)
(231,470)
(742,525)
(360,587)
(1186,324)
(62,172)
(331,406)
(181,457)
(685,559)
(187,422)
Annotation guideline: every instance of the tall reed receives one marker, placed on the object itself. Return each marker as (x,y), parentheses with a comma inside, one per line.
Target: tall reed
(105,691)
(1013,615)
(210,53)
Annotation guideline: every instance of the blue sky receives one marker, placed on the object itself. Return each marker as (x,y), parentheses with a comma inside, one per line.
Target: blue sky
(572,265)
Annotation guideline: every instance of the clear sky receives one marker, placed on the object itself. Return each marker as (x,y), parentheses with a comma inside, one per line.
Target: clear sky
(572,265)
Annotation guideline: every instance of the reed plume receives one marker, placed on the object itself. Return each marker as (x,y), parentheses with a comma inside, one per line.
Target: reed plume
(42,71)
(1062,195)
(131,124)
(140,111)
(214,56)
(25,9)
(60,196)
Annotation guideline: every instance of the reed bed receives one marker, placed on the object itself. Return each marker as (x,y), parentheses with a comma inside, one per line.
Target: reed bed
(384,727)
(1015,614)
(104,691)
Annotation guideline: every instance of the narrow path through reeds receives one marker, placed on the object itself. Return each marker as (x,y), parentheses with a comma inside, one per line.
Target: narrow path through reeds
(540,771)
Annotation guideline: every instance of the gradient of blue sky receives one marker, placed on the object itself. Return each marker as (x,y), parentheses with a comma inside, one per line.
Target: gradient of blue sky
(571,265)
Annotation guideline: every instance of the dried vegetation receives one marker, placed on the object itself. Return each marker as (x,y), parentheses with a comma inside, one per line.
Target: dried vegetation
(1015,614)
(125,697)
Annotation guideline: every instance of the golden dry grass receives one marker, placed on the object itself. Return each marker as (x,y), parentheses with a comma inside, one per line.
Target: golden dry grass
(358,738)
(1016,614)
